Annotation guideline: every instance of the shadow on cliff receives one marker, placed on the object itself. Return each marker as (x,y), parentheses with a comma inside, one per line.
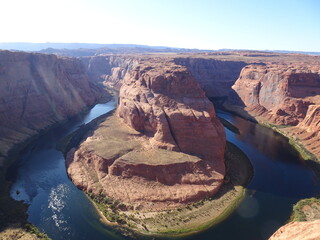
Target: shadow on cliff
(315,166)
(232,103)
(239,170)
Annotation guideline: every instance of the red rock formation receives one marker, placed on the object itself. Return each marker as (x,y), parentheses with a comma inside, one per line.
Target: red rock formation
(279,93)
(307,132)
(298,231)
(174,152)
(165,102)
(37,90)
(284,94)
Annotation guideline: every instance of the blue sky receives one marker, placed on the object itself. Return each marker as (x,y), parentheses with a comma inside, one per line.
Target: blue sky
(203,24)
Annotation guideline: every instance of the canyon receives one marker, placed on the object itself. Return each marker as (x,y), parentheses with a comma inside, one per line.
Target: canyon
(244,82)
(281,91)
(164,147)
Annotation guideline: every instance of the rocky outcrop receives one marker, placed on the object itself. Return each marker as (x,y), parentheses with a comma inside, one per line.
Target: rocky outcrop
(298,231)
(38,90)
(284,94)
(279,93)
(165,102)
(165,150)
(307,132)
(109,69)
(216,77)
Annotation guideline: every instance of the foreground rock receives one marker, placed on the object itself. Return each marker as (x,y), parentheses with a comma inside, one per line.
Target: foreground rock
(38,90)
(298,231)
(169,152)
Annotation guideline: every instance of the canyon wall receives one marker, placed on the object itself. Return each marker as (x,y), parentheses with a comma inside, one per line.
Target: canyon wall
(164,149)
(38,90)
(284,94)
(216,77)
(109,69)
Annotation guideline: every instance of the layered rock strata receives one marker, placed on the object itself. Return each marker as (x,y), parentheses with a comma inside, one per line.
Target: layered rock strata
(38,90)
(284,94)
(164,150)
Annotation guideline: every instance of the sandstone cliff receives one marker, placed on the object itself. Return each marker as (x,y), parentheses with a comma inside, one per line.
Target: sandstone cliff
(109,69)
(284,94)
(298,231)
(168,149)
(280,93)
(37,90)
(216,77)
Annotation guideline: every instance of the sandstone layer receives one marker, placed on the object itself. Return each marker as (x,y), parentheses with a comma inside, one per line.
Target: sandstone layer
(38,90)
(164,149)
(298,231)
(284,94)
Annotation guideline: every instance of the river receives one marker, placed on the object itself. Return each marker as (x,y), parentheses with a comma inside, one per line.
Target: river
(58,208)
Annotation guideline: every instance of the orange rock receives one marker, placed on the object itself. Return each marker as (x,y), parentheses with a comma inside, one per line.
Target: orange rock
(284,94)
(163,100)
(298,231)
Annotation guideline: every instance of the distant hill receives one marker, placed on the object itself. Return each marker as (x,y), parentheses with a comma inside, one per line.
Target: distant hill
(89,49)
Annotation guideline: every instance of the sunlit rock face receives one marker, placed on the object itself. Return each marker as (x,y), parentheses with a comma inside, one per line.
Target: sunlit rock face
(37,90)
(164,147)
(163,100)
(298,231)
(284,94)
(279,92)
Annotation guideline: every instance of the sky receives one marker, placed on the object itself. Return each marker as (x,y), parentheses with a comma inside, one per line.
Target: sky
(202,24)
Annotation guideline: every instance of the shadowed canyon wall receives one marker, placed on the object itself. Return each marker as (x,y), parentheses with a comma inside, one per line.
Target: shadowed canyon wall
(216,77)
(108,69)
(38,90)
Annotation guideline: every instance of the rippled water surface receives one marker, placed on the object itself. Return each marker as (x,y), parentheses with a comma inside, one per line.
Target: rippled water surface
(63,212)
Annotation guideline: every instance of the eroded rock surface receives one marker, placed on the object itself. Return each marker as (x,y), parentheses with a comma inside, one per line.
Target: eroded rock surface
(166,148)
(298,231)
(284,94)
(37,90)
(109,69)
